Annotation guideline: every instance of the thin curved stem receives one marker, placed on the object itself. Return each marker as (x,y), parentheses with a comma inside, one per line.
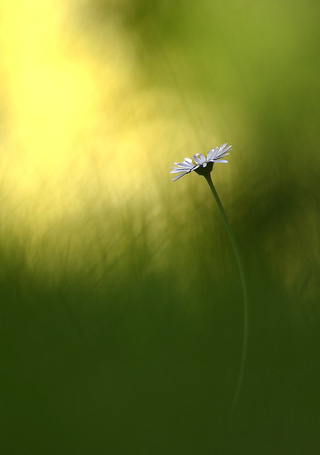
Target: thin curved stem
(244,290)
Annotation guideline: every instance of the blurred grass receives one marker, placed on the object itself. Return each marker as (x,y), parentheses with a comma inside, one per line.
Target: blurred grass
(121,311)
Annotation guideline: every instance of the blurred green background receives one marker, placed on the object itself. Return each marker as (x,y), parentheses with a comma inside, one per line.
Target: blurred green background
(121,304)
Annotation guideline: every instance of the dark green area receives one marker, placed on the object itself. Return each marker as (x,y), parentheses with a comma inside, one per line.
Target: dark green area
(136,361)
(137,368)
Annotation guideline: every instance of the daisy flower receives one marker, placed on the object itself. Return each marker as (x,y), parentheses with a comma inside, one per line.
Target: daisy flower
(200,161)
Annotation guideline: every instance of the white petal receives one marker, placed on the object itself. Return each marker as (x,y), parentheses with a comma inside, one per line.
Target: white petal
(197,159)
(188,165)
(210,155)
(215,151)
(184,167)
(177,177)
(221,155)
(176,170)
(224,148)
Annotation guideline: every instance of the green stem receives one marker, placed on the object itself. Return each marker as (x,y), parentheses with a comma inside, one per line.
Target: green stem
(244,290)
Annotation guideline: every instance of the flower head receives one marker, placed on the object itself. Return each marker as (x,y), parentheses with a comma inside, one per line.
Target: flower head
(199,161)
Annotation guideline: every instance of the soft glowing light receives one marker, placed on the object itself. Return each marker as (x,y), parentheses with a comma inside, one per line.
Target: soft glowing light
(76,130)
(83,135)
(50,94)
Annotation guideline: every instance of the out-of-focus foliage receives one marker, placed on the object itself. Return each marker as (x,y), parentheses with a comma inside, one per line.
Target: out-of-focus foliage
(121,303)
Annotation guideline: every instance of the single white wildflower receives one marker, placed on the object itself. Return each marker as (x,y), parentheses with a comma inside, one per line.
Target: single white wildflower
(201,160)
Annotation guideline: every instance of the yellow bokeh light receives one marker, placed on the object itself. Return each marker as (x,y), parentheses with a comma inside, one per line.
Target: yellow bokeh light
(50,94)
(85,137)
(78,131)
